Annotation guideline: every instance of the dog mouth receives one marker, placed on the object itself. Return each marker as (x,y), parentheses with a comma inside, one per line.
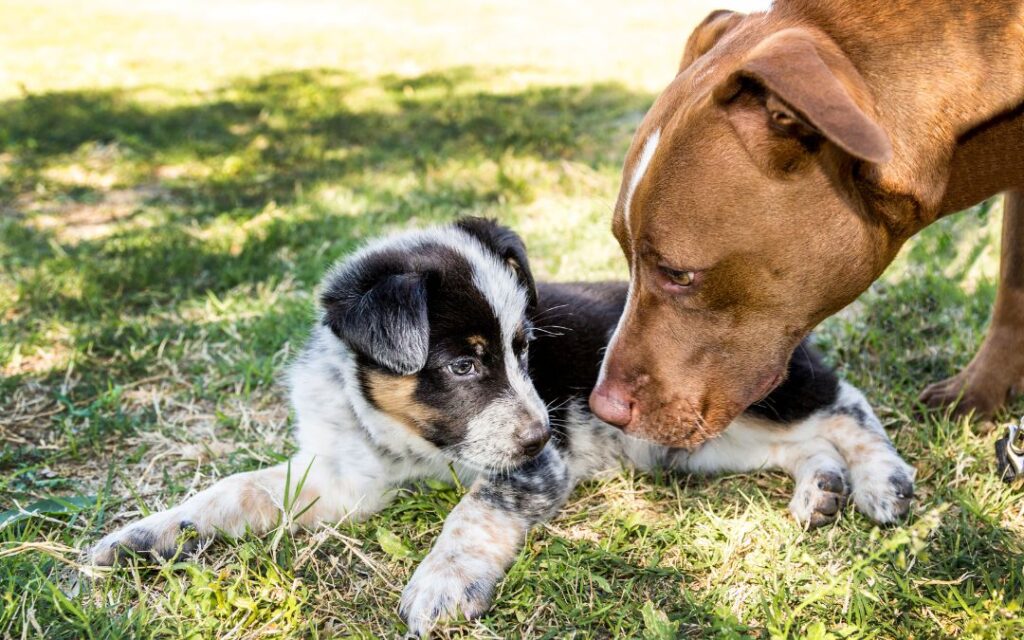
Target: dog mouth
(499,459)
(670,431)
(770,382)
(510,464)
(677,424)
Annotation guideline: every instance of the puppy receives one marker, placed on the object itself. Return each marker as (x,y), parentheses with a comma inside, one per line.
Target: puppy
(436,348)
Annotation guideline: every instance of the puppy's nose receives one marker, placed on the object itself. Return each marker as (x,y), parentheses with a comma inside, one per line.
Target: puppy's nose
(611,403)
(532,437)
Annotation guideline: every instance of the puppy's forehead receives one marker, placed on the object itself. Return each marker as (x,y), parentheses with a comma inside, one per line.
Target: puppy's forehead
(478,277)
(495,280)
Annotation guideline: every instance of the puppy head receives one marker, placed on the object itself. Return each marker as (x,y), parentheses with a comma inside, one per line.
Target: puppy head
(438,323)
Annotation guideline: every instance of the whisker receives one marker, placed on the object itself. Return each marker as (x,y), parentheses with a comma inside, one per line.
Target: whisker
(551,326)
(548,333)
(550,309)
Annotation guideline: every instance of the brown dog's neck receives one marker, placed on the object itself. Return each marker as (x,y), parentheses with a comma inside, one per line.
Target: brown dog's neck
(941,74)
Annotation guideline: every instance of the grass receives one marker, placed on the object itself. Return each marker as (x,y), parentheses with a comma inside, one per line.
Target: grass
(172,184)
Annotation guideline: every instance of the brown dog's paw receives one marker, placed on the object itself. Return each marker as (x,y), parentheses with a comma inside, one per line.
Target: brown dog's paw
(965,395)
(994,374)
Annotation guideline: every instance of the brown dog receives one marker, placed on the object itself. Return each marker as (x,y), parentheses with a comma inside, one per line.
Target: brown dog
(782,170)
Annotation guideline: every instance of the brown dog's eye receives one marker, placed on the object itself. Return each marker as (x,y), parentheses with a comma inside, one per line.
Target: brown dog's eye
(782,118)
(679,277)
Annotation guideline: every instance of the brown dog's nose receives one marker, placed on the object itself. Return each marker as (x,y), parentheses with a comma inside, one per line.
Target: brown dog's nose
(532,438)
(611,403)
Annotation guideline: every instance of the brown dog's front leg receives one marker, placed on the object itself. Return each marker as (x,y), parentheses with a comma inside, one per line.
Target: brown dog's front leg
(997,370)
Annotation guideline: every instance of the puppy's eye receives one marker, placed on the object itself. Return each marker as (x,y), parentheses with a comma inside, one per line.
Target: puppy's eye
(679,277)
(462,367)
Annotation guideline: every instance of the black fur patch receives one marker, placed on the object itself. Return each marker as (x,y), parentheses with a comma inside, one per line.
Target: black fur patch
(572,325)
(810,385)
(854,411)
(141,539)
(477,590)
(574,322)
(444,310)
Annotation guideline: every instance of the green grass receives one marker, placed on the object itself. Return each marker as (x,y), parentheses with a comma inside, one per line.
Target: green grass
(171,188)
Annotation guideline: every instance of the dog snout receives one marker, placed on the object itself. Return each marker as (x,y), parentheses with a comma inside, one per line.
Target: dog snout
(531,437)
(612,402)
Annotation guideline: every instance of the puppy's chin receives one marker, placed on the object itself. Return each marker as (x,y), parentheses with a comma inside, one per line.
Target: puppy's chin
(493,464)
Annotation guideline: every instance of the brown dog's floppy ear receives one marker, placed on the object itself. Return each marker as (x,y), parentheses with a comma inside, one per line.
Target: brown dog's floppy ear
(789,66)
(707,33)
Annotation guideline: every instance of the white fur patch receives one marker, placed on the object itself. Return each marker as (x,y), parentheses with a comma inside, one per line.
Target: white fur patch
(639,169)
(489,440)
(615,334)
(459,574)
(499,286)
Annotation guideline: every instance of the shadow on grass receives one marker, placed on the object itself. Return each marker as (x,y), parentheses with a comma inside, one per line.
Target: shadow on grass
(263,179)
(244,177)
(293,128)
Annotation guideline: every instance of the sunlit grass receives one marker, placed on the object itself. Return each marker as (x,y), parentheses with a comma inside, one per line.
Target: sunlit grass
(174,179)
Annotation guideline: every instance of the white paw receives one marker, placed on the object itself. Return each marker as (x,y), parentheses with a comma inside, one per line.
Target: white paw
(444,585)
(166,535)
(883,487)
(819,498)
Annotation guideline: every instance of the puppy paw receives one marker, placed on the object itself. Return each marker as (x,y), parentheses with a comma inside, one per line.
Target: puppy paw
(819,498)
(443,586)
(163,535)
(883,488)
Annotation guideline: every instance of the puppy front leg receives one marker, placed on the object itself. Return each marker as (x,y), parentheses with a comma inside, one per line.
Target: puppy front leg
(255,501)
(481,538)
(883,482)
(818,470)
(838,453)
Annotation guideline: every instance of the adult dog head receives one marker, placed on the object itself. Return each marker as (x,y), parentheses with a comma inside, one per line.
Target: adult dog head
(742,213)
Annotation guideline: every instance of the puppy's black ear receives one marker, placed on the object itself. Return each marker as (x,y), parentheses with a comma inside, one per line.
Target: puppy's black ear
(380,314)
(507,245)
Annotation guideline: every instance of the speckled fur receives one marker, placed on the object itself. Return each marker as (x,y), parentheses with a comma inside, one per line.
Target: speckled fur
(356,454)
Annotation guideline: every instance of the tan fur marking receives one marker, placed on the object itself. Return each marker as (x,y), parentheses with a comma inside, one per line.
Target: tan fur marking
(479,343)
(255,506)
(264,490)
(396,396)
